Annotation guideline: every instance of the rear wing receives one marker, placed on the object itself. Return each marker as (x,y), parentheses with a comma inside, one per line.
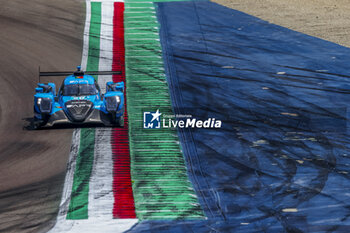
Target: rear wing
(78,72)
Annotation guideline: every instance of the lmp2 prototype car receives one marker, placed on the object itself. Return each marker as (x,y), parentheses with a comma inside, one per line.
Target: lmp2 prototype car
(79,100)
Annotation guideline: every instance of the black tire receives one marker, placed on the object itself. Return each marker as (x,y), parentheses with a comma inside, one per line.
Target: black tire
(37,123)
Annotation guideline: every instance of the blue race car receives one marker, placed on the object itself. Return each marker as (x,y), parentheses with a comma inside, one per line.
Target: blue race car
(79,100)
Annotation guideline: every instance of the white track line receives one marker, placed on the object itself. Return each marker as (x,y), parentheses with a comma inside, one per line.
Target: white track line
(61,222)
(86,37)
(68,183)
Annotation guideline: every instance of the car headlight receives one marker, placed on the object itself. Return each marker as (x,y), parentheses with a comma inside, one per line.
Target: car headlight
(112,103)
(44,104)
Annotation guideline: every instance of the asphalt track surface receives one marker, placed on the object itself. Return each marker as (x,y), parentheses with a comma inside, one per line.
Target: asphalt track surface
(33,163)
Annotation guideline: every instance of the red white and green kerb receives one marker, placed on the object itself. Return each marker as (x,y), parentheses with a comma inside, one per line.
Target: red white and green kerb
(119,176)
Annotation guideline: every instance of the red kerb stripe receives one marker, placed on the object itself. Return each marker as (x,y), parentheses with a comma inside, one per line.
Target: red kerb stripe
(124,206)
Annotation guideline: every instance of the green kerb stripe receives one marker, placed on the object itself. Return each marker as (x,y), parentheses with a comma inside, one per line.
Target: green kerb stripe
(161,186)
(94,37)
(78,206)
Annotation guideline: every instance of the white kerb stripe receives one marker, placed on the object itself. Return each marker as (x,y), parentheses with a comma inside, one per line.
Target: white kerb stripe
(101,197)
(68,183)
(106,43)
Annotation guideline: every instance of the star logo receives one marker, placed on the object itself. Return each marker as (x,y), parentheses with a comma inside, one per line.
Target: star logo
(156,115)
(151,120)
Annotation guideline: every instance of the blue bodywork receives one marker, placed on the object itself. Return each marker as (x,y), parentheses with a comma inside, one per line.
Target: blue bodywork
(79,100)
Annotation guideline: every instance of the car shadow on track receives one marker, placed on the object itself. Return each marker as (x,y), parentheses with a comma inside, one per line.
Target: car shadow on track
(29,125)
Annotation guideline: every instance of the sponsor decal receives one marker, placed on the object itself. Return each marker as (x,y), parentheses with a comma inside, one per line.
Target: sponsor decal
(78,97)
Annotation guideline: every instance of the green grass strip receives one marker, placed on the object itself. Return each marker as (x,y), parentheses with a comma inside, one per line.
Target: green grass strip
(78,206)
(161,186)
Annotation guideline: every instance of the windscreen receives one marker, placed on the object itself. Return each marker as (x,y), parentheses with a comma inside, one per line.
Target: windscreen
(79,89)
